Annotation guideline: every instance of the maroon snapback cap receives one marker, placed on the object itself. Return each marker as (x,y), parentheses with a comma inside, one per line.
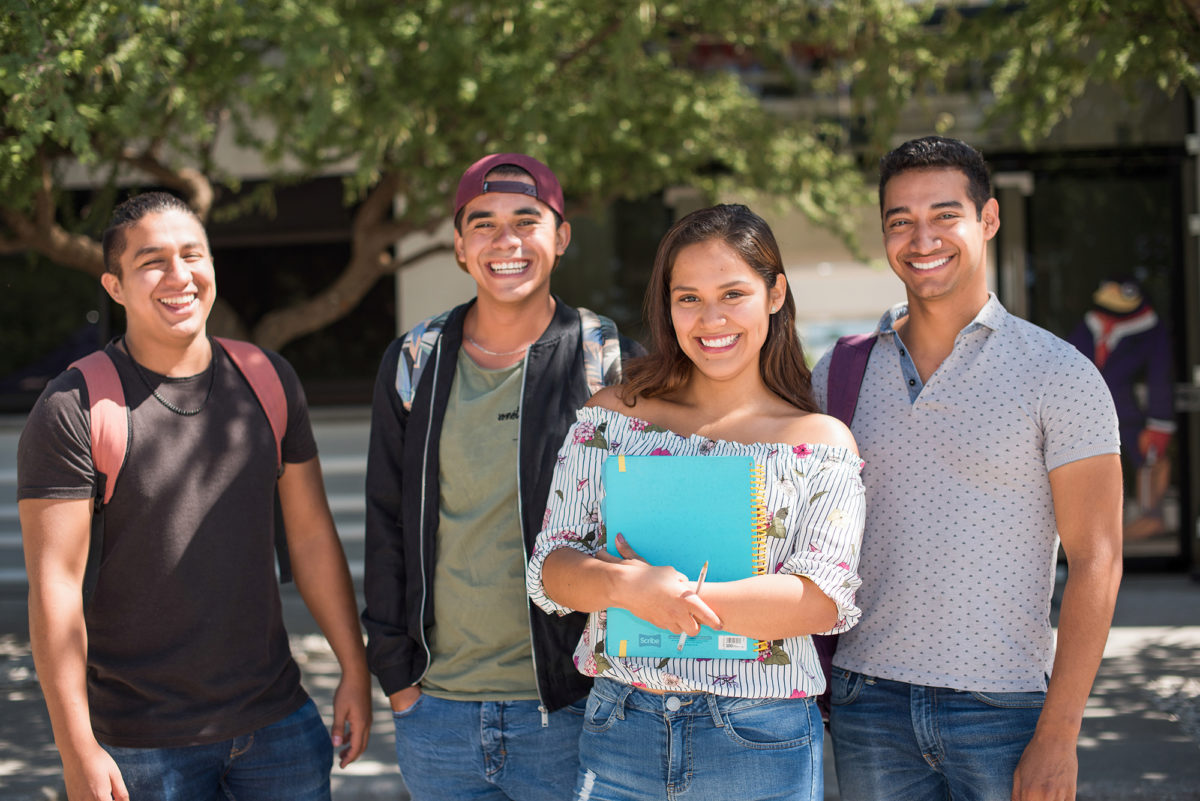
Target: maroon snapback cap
(545,186)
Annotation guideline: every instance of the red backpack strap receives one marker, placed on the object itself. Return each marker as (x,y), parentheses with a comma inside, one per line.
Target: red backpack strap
(847,366)
(109,418)
(264,380)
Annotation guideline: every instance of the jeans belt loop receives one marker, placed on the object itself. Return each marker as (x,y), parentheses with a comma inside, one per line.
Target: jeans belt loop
(622,697)
(715,710)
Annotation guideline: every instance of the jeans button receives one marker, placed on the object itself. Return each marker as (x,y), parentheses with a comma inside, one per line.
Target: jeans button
(673,704)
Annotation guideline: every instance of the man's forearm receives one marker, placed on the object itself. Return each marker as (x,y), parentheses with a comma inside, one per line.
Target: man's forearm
(1087,508)
(55,537)
(319,564)
(1049,767)
(1089,599)
(323,580)
(59,639)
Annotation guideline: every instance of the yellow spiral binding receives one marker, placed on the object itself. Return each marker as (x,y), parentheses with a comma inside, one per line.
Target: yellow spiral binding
(759,521)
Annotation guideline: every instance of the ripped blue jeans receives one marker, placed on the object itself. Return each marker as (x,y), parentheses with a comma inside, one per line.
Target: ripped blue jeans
(638,745)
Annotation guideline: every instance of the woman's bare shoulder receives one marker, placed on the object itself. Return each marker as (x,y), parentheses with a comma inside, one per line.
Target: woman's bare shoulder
(814,428)
(659,410)
(610,398)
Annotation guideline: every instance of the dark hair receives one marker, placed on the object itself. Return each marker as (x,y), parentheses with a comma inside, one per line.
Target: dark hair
(937,152)
(129,214)
(666,367)
(505,171)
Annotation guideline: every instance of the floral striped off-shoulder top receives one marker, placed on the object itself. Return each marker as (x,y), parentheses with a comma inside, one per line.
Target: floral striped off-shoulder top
(814,501)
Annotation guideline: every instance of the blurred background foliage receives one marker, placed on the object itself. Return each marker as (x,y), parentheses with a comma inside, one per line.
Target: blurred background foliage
(624,99)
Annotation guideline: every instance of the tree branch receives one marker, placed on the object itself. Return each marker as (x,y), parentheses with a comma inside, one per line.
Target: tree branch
(382,236)
(424,253)
(43,201)
(373,230)
(375,233)
(194,184)
(219,118)
(377,207)
(281,326)
(604,33)
(53,241)
(11,246)
(1193,7)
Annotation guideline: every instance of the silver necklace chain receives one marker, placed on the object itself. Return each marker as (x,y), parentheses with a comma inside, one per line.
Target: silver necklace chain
(212,380)
(481,348)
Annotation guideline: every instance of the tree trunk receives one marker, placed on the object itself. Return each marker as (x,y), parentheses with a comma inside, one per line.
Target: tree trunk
(223,321)
(56,243)
(374,234)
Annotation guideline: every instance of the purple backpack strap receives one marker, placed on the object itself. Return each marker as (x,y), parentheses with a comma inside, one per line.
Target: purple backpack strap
(847,366)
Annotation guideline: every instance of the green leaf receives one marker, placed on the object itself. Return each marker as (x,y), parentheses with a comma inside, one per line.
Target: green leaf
(777,527)
(602,663)
(597,439)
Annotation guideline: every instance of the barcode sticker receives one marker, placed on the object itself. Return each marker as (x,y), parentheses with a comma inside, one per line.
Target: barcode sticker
(731,642)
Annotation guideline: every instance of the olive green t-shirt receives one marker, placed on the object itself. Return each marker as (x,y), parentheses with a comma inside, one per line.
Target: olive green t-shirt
(480,643)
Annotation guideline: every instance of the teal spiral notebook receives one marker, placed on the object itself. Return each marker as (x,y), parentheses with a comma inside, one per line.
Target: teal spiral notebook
(684,511)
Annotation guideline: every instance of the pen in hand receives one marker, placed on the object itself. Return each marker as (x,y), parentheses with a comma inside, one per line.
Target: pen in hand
(699,583)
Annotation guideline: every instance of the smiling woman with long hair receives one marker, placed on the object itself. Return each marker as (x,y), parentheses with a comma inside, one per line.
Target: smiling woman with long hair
(725,377)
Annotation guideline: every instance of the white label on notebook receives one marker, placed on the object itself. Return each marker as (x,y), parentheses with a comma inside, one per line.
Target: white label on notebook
(731,642)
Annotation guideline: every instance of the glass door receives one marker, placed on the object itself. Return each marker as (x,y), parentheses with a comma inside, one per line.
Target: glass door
(1104,270)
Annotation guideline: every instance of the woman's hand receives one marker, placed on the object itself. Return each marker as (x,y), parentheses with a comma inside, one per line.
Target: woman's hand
(662,596)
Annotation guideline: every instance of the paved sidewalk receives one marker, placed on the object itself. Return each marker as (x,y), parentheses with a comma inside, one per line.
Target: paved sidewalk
(29,764)
(1141,730)
(1140,739)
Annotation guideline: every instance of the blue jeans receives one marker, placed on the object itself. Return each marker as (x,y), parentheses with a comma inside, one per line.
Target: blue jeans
(286,761)
(909,742)
(638,746)
(490,750)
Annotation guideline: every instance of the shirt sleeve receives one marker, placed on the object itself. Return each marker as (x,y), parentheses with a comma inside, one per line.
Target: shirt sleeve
(830,536)
(572,517)
(54,454)
(820,382)
(1077,413)
(298,445)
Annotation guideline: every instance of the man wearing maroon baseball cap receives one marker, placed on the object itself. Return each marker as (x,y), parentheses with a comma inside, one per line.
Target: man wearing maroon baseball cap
(533,178)
(470,409)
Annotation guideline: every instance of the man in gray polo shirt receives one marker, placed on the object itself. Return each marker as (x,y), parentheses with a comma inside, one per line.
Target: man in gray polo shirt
(987,441)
